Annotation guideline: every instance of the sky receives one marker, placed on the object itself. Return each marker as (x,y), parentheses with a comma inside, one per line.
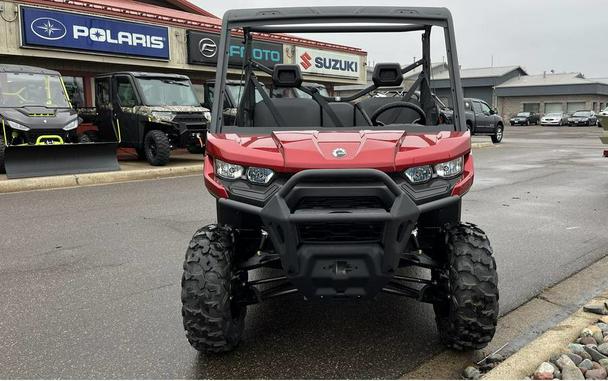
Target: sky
(539,35)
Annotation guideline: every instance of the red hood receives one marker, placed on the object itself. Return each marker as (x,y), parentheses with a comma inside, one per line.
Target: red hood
(291,151)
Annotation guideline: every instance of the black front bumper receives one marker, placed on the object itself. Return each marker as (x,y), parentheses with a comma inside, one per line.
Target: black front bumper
(192,129)
(579,123)
(341,233)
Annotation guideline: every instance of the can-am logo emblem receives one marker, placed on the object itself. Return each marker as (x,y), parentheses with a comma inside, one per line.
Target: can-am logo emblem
(305,60)
(207,47)
(339,152)
(48,28)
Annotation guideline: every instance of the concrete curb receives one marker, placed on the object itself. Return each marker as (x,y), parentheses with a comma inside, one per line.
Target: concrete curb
(86,179)
(525,361)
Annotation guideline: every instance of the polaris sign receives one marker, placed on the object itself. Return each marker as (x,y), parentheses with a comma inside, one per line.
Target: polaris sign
(203,49)
(314,61)
(64,30)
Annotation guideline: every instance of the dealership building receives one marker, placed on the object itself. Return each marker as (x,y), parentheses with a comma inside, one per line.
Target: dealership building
(548,92)
(476,82)
(83,38)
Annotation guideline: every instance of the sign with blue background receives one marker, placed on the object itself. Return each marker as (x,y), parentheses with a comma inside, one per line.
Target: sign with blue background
(64,30)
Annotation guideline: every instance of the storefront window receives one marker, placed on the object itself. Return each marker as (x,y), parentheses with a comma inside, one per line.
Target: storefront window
(532,107)
(75,89)
(553,107)
(575,106)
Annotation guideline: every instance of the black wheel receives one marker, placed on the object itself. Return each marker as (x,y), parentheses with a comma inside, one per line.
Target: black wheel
(470,127)
(498,134)
(467,318)
(157,147)
(212,320)
(2,148)
(196,149)
(527,122)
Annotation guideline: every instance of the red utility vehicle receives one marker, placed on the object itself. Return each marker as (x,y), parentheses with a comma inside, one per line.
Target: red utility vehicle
(339,195)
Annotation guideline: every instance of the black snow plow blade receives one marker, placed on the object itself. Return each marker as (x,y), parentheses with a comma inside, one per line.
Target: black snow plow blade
(59,159)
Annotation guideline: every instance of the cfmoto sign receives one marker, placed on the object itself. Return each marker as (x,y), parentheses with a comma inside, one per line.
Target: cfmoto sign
(203,49)
(207,47)
(85,33)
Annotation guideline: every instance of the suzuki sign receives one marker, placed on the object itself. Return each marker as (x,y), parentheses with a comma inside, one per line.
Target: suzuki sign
(314,61)
(65,30)
(203,49)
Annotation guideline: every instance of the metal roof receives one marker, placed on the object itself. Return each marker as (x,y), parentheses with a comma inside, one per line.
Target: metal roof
(552,84)
(138,11)
(481,72)
(442,66)
(187,6)
(547,79)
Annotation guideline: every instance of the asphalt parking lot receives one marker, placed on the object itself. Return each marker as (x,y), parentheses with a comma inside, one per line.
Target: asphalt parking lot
(90,276)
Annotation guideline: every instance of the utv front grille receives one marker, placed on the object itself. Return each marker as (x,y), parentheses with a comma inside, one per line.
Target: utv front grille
(355,202)
(341,232)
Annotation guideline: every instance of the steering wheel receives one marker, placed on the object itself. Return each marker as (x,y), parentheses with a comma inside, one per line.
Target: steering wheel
(397,104)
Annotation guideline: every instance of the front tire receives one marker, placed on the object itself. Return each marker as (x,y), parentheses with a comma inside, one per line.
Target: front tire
(157,148)
(467,318)
(498,134)
(212,320)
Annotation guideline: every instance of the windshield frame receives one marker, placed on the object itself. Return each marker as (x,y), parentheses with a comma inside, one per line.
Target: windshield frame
(305,20)
(62,88)
(146,102)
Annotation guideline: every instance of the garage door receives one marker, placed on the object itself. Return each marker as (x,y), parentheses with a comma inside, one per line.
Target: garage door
(575,106)
(553,107)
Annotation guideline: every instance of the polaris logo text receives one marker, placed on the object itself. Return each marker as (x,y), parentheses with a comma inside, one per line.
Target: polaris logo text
(120,38)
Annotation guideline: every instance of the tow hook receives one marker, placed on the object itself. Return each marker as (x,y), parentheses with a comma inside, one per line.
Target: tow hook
(200,140)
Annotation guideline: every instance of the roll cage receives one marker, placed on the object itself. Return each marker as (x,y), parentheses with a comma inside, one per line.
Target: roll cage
(336,20)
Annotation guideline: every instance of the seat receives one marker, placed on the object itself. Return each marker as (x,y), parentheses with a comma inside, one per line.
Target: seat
(394,116)
(296,112)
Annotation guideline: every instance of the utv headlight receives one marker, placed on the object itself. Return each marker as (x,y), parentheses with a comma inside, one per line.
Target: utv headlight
(419,175)
(259,175)
(207,115)
(228,171)
(17,126)
(449,168)
(72,125)
(162,116)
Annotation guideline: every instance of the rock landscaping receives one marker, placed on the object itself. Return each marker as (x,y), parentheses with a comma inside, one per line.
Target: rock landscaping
(586,358)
